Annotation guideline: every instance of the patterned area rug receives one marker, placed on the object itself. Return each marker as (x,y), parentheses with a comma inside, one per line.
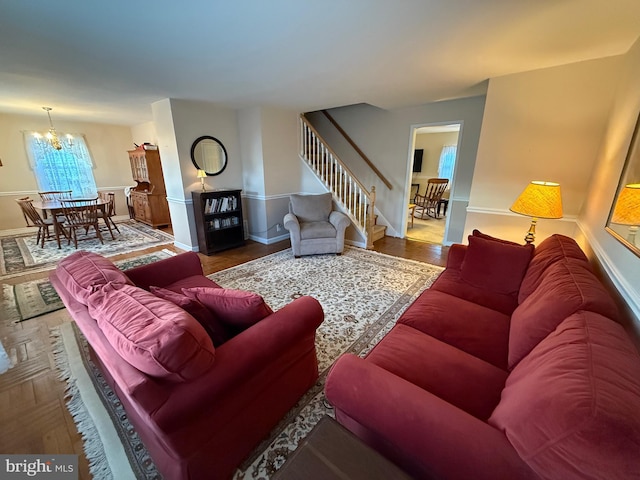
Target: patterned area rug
(362,293)
(31,299)
(20,254)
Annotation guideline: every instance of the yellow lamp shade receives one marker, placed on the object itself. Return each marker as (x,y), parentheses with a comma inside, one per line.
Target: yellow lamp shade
(539,200)
(202,174)
(627,210)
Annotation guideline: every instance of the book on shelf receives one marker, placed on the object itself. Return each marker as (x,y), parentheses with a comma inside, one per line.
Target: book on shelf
(221,204)
(226,222)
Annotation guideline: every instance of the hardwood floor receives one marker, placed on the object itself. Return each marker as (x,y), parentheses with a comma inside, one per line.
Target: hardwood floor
(33,415)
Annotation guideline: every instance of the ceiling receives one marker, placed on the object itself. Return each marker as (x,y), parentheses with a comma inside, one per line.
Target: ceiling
(107,62)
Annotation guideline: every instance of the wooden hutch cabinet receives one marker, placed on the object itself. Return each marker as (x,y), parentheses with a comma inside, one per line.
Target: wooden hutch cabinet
(219,221)
(149,197)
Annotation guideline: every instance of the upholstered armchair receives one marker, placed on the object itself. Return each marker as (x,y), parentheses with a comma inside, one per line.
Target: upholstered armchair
(314,226)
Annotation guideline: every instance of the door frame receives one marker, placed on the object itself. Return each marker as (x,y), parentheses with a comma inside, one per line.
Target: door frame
(414,131)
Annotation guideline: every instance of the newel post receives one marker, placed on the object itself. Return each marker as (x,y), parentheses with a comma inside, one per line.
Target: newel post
(371,217)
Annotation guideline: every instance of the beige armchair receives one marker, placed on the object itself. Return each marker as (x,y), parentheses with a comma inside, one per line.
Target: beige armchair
(314,226)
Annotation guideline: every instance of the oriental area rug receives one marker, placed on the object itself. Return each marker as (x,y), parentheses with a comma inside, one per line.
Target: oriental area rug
(31,299)
(362,293)
(20,254)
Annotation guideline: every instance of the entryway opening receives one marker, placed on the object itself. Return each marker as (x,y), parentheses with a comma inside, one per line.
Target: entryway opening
(435,153)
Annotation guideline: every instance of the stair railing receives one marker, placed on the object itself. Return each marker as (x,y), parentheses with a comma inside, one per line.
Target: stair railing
(358,150)
(352,195)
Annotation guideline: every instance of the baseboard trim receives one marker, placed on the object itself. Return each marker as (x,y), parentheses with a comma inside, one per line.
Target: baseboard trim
(267,241)
(184,246)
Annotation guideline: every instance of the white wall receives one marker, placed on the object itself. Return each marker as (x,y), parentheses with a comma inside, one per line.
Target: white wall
(145,132)
(622,266)
(540,125)
(178,123)
(272,169)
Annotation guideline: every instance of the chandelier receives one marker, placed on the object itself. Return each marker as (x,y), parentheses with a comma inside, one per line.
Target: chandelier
(52,135)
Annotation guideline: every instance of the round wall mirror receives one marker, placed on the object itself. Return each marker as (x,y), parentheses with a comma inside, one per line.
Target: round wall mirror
(208,154)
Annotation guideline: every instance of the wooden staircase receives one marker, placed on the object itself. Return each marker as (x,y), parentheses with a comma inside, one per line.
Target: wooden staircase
(357,202)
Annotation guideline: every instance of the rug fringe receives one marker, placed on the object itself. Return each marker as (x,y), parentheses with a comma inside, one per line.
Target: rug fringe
(92,445)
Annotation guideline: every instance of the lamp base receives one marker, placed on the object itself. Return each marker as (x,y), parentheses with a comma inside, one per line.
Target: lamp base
(531,234)
(202,182)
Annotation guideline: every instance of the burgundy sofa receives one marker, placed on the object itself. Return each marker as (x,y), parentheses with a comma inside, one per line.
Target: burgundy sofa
(511,366)
(200,409)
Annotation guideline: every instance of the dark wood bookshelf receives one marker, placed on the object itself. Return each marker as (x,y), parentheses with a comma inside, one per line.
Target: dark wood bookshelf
(219,220)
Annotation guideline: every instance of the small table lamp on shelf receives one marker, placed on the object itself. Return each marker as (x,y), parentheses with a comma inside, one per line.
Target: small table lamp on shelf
(627,210)
(202,175)
(538,200)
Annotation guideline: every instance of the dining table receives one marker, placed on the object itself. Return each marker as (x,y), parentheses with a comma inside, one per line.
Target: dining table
(54,208)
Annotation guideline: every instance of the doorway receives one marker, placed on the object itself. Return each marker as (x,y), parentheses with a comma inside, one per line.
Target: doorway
(434,155)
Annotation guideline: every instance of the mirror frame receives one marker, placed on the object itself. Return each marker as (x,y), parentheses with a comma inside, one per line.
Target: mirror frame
(193,154)
(630,174)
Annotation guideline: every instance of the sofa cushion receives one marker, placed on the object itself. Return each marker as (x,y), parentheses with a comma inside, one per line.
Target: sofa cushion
(428,363)
(191,282)
(474,329)
(83,272)
(566,287)
(494,265)
(236,308)
(450,282)
(317,230)
(571,408)
(311,208)
(197,310)
(152,334)
(553,249)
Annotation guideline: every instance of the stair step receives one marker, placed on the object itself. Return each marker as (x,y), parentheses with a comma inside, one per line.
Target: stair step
(379,231)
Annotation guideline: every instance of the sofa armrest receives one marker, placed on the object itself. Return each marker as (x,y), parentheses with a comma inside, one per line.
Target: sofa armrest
(339,220)
(429,436)
(456,255)
(251,354)
(167,271)
(291,223)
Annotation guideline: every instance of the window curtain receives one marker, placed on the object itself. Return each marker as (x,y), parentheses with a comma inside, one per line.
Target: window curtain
(447,163)
(68,169)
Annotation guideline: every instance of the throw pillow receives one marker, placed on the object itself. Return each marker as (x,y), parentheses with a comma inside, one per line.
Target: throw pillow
(236,308)
(84,272)
(197,310)
(478,233)
(152,334)
(495,265)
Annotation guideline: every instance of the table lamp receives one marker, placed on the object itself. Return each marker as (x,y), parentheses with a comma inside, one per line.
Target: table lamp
(627,210)
(538,200)
(202,175)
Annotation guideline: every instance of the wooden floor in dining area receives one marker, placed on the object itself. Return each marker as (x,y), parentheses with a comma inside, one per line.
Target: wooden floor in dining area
(33,415)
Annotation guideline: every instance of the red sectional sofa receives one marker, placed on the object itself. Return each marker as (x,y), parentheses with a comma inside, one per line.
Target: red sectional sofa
(511,366)
(200,393)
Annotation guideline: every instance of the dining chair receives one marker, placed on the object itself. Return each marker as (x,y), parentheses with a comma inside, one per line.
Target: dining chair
(109,211)
(55,195)
(33,219)
(429,201)
(81,214)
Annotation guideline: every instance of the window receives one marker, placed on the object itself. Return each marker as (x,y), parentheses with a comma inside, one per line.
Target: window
(68,169)
(447,163)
